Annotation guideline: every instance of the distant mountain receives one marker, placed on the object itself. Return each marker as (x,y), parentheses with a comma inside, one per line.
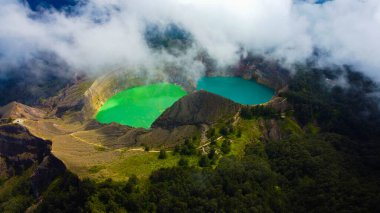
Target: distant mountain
(31,81)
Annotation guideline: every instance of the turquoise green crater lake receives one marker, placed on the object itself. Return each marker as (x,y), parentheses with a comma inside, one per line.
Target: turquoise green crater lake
(140,106)
(237,89)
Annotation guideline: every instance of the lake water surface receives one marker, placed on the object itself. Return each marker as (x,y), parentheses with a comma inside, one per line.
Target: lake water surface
(237,89)
(140,106)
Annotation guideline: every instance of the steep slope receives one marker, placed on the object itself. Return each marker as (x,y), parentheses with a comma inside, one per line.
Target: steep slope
(103,88)
(197,108)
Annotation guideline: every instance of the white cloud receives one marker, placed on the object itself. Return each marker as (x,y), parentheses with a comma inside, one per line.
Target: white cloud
(349,30)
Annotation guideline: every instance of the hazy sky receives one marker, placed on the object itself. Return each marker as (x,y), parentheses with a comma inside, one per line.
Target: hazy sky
(347,31)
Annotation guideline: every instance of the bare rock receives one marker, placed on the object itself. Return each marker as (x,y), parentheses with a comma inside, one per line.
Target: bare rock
(197,108)
(270,129)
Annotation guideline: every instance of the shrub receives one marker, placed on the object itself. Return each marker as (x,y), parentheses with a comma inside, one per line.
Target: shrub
(162,154)
(188,148)
(226,146)
(183,162)
(204,161)
(131,184)
(146,148)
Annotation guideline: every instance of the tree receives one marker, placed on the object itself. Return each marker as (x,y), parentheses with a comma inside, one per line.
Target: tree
(188,148)
(131,184)
(211,133)
(146,148)
(212,154)
(162,154)
(226,146)
(204,161)
(238,134)
(224,131)
(183,162)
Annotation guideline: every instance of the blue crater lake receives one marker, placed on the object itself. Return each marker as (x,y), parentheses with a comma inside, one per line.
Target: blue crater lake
(237,89)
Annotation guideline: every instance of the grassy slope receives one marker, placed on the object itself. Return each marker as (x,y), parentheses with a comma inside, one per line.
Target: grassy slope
(250,133)
(142,164)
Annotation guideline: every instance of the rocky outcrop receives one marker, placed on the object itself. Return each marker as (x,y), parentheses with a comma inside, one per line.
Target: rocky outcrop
(279,104)
(16,110)
(20,148)
(270,129)
(20,151)
(200,107)
(264,71)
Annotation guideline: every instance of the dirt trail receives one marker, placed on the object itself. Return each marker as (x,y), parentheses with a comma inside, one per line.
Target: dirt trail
(142,150)
(236,118)
(93,144)
(204,138)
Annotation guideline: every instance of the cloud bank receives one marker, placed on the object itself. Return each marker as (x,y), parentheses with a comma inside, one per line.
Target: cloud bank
(110,33)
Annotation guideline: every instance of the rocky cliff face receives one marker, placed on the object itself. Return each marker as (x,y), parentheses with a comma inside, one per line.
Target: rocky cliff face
(104,88)
(200,107)
(20,150)
(270,130)
(266,72)
(17,144)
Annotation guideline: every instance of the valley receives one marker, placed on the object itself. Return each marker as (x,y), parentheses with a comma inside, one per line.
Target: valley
(100,151)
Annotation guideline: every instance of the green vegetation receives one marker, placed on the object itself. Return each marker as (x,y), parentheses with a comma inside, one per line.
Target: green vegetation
(249,112)
(141,164)
(146,148)
(183,162)
(204,161)
(100,148)
(295,174)
(162,154)
(15,193)
(95,169)
(188,148)
(226,146)
(348,108)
